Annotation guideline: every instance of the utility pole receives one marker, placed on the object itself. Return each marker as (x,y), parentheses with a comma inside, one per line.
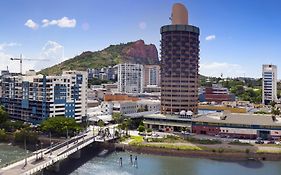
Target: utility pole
(25,160)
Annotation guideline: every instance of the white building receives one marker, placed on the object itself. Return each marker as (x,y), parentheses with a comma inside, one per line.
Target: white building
(130,78)
(149,105)
(129,107)
(269,83)
(33,98)
(122,107)
(151,75)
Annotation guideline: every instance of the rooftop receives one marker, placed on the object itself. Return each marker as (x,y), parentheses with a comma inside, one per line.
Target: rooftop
(235,118)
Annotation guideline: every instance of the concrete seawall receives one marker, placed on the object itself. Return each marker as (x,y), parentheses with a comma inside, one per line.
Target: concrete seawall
(227,156)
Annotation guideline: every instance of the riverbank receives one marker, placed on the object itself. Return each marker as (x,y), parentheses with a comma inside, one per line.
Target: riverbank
(219,154)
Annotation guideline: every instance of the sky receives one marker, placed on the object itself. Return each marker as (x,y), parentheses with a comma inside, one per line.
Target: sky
(236,36)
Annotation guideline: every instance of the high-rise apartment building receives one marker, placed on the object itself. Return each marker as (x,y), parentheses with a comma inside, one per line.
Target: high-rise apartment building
(130,78)
(269,83)
(33,98)
(151,75)
(179,64)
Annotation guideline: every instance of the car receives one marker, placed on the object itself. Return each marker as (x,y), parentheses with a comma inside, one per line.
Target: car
(236,140)
(142,133)
(185,133)
(155,135)
(259,142)
(271,142)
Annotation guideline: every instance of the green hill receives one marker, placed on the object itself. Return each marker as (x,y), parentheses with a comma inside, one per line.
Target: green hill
(131,52)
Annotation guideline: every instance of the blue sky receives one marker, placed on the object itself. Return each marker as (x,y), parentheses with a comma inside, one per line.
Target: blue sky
(236,38)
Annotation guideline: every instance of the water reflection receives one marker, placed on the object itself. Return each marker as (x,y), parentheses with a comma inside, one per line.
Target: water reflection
(165,165)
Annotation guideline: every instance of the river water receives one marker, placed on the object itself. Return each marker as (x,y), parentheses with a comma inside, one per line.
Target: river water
(166,165)
(155,165)
(10,153)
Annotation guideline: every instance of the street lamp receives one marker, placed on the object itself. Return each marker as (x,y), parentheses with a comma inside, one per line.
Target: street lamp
(51,151)
(36,151)
(67,136)
(50,138)
(25,160)
(41,143)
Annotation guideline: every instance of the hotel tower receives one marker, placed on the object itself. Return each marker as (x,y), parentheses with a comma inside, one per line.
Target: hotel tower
(179,64)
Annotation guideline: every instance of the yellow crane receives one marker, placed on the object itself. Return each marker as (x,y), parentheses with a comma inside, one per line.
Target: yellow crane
(25,59)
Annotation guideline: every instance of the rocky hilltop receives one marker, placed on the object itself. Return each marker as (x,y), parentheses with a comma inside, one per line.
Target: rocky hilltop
(131,52)
(139,52)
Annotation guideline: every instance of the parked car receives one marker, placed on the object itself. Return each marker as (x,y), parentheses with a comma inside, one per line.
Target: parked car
(259,142)
(185,133)
(155,135)
(271,142)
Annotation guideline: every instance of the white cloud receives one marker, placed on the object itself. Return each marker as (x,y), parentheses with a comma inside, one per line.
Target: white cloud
(31,24)
(13,66)
(5,45)
(210,37)
(64,22)
(142,25)
(216,69)
(52,53)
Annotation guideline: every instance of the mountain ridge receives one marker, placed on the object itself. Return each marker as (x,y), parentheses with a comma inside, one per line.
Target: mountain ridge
(136,52)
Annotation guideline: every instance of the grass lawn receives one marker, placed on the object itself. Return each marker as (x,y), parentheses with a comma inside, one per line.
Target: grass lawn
(172,146)
(136,140)
(269,151)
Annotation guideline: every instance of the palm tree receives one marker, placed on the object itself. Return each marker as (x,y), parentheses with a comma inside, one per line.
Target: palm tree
(275,111)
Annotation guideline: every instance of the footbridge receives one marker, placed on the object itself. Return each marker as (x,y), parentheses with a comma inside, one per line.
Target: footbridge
(50,158)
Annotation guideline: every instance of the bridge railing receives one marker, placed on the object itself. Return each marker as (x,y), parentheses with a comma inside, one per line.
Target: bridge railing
(71,150)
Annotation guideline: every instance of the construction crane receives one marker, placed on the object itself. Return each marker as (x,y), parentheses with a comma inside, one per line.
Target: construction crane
(26,59)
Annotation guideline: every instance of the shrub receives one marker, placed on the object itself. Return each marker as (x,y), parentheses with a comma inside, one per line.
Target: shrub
(141,128)
(220,150)
(149,130)
(3,135)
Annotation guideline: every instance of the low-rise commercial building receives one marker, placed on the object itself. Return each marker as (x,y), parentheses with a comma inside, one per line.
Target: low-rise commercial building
(236,125)
(216,93)
(167,123)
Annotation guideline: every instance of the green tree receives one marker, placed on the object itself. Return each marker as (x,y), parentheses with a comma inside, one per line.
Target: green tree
(141,109)
(101,123)
(58,125)
(3,135)
(117,117)
(3,115)
(25,133)
(127,124)
(149,130)
(141,128)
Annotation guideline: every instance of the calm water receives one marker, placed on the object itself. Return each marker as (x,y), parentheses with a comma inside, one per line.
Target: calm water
(164,165)
(10,153)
